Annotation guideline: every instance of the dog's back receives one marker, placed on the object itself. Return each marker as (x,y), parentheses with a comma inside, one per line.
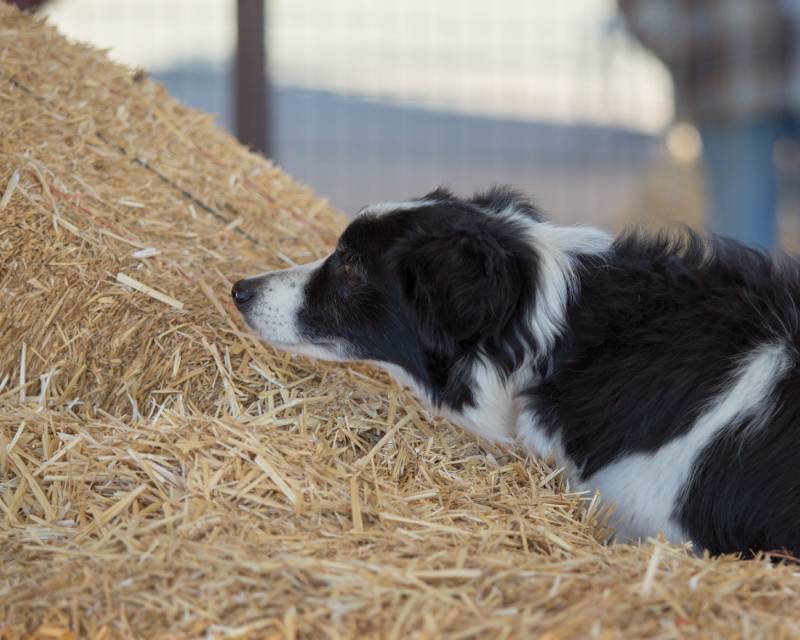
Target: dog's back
(674,391)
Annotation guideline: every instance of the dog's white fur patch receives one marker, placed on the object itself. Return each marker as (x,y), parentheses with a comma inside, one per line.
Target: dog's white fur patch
(556,247)
(494,414)
(534,438)
(645,487)
(273,315)
(382,208)
(405,379)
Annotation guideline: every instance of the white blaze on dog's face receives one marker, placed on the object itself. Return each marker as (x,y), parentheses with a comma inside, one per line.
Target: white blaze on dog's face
(270,303)
(423,287)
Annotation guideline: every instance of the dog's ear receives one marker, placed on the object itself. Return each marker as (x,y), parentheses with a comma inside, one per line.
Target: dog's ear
(462,284)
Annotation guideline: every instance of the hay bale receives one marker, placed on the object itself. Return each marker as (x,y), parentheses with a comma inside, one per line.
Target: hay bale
(164,475)
(103,159)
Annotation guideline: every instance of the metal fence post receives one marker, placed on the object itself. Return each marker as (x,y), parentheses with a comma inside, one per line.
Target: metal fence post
(251,90)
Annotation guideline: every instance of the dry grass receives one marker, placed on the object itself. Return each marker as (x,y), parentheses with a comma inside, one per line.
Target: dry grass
(162,474)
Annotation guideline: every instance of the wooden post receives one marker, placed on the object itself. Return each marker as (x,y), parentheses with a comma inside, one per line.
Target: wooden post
(252,104)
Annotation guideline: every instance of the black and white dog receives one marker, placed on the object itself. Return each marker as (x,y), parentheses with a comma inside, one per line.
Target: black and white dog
(662,372)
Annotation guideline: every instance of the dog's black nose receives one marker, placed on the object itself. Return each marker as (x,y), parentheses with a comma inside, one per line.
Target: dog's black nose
(243,292)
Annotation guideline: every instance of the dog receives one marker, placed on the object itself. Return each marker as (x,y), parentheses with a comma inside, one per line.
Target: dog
(659,370)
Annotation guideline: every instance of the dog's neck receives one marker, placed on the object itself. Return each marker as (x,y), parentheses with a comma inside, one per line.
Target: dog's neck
(498,400)
(496,403)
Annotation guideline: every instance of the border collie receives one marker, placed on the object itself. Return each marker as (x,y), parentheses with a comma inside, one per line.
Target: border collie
(660,371)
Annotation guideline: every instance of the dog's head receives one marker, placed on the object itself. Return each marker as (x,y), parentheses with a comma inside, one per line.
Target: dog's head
(420,285)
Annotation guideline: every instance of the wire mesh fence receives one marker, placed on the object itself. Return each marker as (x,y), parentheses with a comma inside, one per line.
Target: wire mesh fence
(373,100)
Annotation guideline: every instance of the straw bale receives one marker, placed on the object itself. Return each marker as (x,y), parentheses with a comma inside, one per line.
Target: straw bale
(163,475)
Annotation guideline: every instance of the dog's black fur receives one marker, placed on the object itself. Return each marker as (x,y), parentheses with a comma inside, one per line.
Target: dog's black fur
(655,333)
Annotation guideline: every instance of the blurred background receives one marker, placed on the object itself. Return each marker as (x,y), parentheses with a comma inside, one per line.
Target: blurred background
(599,109)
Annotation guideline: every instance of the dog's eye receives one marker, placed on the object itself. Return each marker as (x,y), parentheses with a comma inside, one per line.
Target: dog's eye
(346,263)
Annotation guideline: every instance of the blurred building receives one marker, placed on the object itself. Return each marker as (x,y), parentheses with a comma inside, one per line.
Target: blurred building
(374,100)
